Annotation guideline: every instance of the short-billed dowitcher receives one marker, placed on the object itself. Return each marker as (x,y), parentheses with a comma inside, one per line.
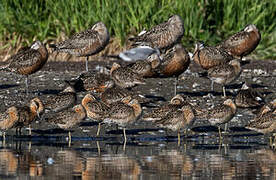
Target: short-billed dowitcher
(208,56)
(225,74)
(21,116)
(124,113)
(116,93)
(63,100)
(248,97)
(92,81)
(95,109)
(270,106)
(163,35)
(147,67)
(243,42)
(124,76)
(68,118)
(174,62)
(85,43)
(220,114)
(27,61)
(265,123)
(158,113)
(178,119)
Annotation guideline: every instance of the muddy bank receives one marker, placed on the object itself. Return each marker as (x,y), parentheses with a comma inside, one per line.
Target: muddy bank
(262,75)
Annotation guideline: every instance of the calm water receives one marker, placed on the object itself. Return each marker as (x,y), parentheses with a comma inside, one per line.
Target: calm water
(240,158)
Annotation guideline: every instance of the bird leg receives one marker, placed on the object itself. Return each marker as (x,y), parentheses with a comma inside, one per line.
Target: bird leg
(225,127)
(86,63)
(99,148)
(178,138)
(212,85)
(223,89)
(219,133)
(175,85)
(124,131)
(99,129)
(30,130)
(26,83)
(70,138)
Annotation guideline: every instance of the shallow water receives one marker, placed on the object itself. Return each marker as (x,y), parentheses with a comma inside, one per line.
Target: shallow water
(150,153)
(193,159)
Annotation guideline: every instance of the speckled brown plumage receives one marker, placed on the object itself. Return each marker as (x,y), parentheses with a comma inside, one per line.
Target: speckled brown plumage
(163,35)
(225,74)
(146,68)
(174,61)
(85,43)
(124,76)
(158,113)
(248,97)
(265,123)
(243,42)
(28,60)
(208,56)
(95,109)
(116,93)
(20,116)
(221,113)
(93,81)
(63,100)
(68,118)
(124,113)
(268,107)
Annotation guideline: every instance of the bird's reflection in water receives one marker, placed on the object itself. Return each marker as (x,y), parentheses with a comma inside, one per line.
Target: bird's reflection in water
(140,161)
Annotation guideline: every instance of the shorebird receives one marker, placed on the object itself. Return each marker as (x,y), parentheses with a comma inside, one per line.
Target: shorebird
(95,109)
(147,67)
(247,97)
(85,43)
(208,56)
(270,106)
(162,36)
(63,100)
(265,123)
(174,62)
(178,119)
(243,42)
(225,74)
(20,116)
(158,113)
(27,60)
(124,76)
(116,93)
(68,118)
(124,113)
(92,81)
(220,114)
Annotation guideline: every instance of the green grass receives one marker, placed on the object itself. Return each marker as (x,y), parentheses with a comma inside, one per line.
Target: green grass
(207,20)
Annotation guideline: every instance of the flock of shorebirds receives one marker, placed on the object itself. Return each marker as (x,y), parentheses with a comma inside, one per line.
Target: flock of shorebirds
(156,53)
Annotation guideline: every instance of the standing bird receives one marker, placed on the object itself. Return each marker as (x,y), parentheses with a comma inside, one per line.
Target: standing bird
(158,113)
(208,56)
(265,123)
(85,43)
(27,60)
(95,109)
(124,113)
(63,100)
(174,62)
(225,74)
(68,118)
(124,76)
(162,36)
(178,119)
(247,97)
(92,81)
(220,114)
(21,116)
(243,42)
